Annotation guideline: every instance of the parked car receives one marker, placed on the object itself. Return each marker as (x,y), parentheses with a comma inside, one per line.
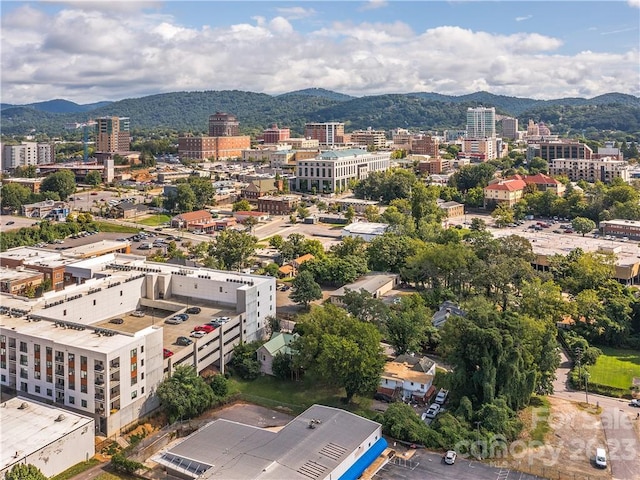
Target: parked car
(193,310)
(433,410)
(442,396)
(10,222)
(183,341)
(450,457)
(634,403)
(118,321)
(158,229)
(204,328)
(173,321)
(198,334)
(138,313)
(182,316)
(166,353)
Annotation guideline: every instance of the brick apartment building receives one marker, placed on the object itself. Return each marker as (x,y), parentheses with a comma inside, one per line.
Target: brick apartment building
(216,148)
(273,134)
(283,205)
(425,145)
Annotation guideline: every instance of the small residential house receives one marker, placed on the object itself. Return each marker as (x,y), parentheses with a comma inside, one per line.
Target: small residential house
(409,378)
(376,283)
(128,210)
(185,220)
(279,343)
(291,269)
(445,310)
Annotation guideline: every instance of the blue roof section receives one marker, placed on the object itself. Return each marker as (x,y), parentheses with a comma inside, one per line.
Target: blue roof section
(365,460)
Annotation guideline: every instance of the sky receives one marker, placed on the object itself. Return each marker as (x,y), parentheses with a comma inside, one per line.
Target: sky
(94,51)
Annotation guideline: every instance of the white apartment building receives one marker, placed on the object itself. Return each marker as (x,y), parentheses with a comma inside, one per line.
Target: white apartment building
(603,169)
(333,170)
(27,153)
(484,149)
(369,137)
(62,348)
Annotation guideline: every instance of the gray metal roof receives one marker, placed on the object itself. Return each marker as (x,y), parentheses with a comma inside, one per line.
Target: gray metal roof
(310,447)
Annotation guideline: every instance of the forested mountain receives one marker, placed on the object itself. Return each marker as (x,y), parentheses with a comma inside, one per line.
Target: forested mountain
(189,111)
(58,106)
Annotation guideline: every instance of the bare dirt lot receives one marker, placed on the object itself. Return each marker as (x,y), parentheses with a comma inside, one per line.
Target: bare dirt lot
(568,448)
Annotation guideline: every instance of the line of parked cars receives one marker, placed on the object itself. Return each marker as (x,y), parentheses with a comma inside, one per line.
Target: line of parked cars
(177,319)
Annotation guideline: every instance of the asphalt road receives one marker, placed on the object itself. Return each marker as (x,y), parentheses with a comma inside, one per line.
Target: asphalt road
(617,419)
(426,465)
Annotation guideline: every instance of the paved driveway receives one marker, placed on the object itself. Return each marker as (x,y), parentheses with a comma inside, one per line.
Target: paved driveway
(617,419)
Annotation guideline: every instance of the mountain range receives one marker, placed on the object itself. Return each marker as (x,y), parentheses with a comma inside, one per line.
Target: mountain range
(189,111)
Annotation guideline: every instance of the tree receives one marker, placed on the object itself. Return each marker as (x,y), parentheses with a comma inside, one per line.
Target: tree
(304,289)
(21,471)
(233,249)
(282,366)
(244,361)
(120,463)
(538,165)
(363,306)
(583,225)
(276,241)
(203,191)
(303,212)
(349,214)
(406,327)
(478,224)
(503,215)
(220,385)
(372,213)
(242,206)
(93,178)
(62,182)
(185,199)
(14,196)
(185,394)
(340,349)
(250,223)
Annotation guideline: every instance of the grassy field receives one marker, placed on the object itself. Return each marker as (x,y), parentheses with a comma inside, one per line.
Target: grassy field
(155,220)
(615,368)
(76,469)
(297,396)
(112,227)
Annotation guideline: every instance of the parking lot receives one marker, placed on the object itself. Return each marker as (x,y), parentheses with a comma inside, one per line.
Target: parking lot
(421,464)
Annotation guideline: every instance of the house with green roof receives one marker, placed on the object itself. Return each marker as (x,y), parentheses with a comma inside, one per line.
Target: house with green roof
(279,343)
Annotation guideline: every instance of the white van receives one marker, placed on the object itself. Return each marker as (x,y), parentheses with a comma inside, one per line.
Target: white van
(601,458)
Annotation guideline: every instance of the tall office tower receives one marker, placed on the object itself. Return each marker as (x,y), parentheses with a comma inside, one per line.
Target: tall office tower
(481,122)
(223,125)
(112,134)
(330,133)
(510,127)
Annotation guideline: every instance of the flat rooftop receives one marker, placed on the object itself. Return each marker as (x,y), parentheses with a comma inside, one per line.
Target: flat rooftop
(366,228)
(9,274)
(29,254)
(370,283)
(28,426)
(230,450)
(96,248)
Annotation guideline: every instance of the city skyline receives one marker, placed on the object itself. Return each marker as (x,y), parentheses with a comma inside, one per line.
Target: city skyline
(93,51)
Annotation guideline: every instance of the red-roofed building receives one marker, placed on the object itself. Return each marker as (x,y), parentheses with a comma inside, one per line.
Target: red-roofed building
(185,220)
(508,191)
(544,182)
(259,216)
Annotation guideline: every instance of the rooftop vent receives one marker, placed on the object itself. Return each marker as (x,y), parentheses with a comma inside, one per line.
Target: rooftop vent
(23,406)
(60,418)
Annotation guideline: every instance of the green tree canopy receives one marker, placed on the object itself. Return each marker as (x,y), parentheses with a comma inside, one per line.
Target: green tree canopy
(305,289)
(21,471)
(93,178)
(14,196)
(242,206)
(185,394)
(62,182)
(233,249)
(340,349)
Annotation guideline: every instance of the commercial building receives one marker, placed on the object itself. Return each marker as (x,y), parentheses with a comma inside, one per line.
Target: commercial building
(481,149)
(45,436)
(273,134)
(376,139)
(63,349)
(185,220)
(621,228)
(322,443)
(25,154)
(553,149)
(33,184)
(333,170)
(112,134)
(261,187)
(509,128)
(377,284)
(215,148)
(602,169)
(425,145)
(327,134)
(223,124)
(365,230)
(49,209)
(507,192)
(358,205)
(20,282)
(302,143)
(481,122)
(280,205)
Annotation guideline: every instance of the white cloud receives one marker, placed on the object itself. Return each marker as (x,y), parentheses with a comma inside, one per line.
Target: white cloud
(296,13)
(634,3)
(374,4)
(522,19)
(86,55)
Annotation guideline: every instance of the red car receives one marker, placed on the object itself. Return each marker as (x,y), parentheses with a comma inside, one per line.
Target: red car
(166,352)
(204,328)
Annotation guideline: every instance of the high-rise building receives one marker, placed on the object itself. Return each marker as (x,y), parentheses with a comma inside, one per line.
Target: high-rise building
(328,134)
(369,137)
(27,153)
(426,145)
(481,122)
(223,124)
(112,134)
(510,127)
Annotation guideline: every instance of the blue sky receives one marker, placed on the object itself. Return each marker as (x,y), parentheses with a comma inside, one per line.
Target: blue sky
(94,51)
